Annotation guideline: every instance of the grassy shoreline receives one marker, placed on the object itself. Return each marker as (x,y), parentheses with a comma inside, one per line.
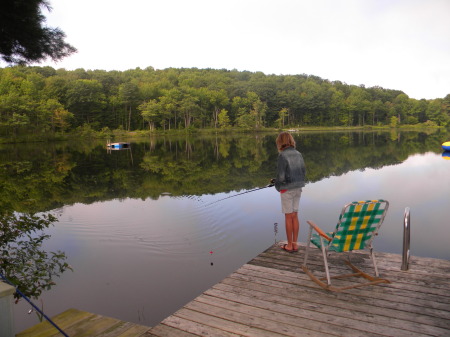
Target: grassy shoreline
(119,135)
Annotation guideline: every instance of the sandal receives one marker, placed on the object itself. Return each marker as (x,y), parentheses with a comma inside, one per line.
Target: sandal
(284,248)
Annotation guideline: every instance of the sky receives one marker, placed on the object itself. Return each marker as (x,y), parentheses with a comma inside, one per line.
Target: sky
(395,44)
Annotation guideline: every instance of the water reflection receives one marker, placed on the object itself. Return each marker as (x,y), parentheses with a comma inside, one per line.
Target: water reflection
(65,173)
(143,240)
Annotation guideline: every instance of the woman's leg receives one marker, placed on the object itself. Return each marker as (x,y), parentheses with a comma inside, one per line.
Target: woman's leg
(289,230)
(292,228)
(295,220)
(289,204)
(295,230)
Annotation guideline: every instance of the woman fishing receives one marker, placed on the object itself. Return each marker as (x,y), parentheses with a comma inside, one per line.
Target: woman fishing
(290,179)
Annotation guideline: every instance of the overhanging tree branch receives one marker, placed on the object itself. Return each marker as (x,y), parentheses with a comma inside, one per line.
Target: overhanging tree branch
(24,38)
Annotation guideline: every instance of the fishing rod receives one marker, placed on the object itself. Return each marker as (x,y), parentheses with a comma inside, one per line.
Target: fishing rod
(235,195)
(3,277)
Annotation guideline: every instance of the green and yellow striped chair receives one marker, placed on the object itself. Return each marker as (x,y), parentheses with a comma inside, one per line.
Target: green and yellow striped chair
(358,225)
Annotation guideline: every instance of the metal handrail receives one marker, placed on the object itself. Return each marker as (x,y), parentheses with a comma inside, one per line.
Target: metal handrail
(406,239)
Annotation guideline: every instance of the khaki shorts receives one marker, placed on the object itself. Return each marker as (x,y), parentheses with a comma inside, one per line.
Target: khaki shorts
(290,200)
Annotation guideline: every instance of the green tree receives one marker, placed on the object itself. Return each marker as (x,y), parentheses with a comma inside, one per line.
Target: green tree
(359,106)
(223,119)
(312,102)
(129,96)
(17,121)
(54,115)
(437,113)
(151,112)
(195,97)
(259,110)
(249,110)
(56,88)
(419,110)
(217,100)
(282,115)
(14,110)
(380,112)
(189,107)
(86,100)
(338,114)
(239,107)
(394,121)
(402,107)
(170,106)
(446,104)
(22,259)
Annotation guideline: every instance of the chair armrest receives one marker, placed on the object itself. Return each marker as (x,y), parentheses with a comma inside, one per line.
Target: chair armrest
(319,231)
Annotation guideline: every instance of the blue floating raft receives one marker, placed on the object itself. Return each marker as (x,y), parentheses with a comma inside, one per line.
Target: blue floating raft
(446,146)
(118,146)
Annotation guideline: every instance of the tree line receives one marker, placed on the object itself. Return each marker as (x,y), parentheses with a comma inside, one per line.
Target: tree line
(42,100)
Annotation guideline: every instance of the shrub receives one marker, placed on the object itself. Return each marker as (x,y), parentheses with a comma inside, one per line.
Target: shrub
(22,259)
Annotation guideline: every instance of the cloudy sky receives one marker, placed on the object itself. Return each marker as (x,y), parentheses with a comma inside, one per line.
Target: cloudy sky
(395,44)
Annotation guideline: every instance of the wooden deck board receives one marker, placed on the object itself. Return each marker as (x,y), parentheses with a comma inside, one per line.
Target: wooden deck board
(271,293)
(318,305)
(77,323)
(272,296)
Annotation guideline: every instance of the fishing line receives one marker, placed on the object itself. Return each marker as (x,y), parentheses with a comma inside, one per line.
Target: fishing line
(235,195)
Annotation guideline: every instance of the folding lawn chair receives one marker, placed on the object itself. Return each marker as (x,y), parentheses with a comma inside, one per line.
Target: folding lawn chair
(358,225)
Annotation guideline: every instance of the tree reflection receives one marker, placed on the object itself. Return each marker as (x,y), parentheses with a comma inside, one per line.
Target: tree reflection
(36,179)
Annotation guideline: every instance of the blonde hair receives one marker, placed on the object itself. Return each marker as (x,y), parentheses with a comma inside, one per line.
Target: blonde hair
(285,140)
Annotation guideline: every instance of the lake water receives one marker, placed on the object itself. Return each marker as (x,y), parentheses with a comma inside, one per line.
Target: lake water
(145,235)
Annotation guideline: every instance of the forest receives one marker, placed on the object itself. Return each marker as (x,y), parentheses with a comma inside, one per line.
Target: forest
(44,101)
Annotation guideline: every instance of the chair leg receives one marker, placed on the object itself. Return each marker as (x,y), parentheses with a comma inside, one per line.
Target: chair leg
(308,242)
(325,261)
(357,272)
(324,253)
(372,256)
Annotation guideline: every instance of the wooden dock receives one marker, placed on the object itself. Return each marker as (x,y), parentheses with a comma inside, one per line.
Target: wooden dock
(272,296)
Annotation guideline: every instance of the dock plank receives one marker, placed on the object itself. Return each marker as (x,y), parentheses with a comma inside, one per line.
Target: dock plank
(311,305)
(77,323)
(271,296)
(273,288)
(280,313)
(64,320)
(163,330)
(192,326)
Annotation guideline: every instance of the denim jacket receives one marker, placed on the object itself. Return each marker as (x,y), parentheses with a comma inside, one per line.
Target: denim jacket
(291,170)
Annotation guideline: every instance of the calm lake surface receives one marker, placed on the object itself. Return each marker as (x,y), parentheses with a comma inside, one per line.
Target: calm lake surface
(145,235)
